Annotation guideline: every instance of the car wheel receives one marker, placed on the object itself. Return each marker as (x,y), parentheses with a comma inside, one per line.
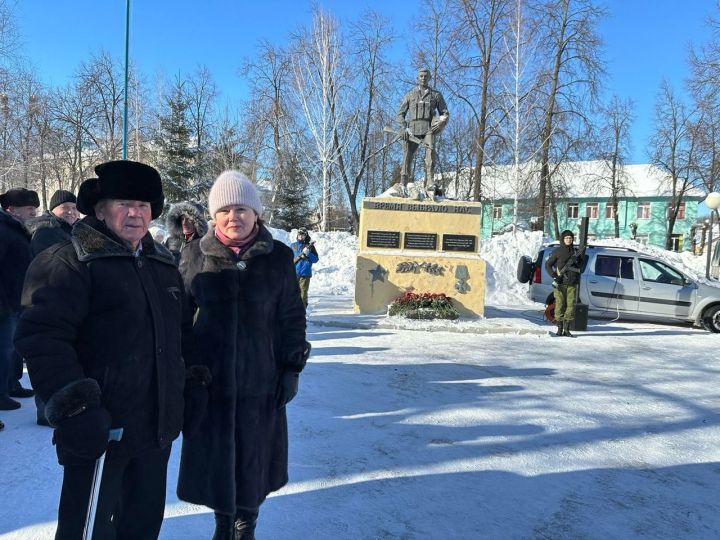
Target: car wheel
(711,319)
(524,269)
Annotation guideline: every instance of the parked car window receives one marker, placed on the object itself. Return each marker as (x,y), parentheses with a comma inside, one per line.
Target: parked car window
(658,272)
(607,265)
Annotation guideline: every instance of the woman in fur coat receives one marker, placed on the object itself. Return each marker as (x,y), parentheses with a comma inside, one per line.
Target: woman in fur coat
(250,332)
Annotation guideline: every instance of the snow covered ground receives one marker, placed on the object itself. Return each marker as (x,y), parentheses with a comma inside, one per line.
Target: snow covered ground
(400,433)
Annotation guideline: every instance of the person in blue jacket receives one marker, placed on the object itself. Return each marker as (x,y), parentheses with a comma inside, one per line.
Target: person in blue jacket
(305,255)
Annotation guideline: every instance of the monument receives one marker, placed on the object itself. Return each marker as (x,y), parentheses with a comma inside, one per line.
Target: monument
(408,245)
(422,115)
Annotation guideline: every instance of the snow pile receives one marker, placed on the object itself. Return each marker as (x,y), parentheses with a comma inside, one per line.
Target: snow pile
(502,253)
(334,273)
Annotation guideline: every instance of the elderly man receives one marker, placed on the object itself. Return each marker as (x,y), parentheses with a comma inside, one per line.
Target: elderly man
(423,113)
(18,205)
(50,228)
(53,226)
(101,333)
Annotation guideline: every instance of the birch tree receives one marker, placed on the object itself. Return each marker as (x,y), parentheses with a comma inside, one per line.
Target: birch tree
(317,70)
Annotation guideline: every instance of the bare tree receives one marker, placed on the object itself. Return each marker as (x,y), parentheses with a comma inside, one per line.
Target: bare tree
(363,123)
(570,86)
(102,79)
(614,148)
(704,87)
(269,78)
(520,102)
(317,75)
(673,148)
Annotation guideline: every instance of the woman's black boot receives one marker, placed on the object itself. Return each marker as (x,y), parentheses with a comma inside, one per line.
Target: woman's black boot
(224,527)
(245,521)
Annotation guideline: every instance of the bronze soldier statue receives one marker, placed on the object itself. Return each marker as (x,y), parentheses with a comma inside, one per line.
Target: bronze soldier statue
(423,113)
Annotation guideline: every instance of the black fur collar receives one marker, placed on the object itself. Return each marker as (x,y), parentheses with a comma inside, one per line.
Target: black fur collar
(211,246)
(47,220)
(93,240)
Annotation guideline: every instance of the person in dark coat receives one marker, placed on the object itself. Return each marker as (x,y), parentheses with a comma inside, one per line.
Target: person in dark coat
(185,223)
(17,207)
(564,265)
(250,332)
(101,334)
(50,228)
(53,226)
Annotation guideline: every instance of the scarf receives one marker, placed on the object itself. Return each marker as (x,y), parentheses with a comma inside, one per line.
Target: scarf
(238,247)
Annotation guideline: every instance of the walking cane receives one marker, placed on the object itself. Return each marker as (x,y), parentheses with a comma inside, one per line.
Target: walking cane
(114,435)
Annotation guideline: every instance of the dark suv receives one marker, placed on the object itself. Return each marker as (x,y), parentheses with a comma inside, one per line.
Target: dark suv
(630,284)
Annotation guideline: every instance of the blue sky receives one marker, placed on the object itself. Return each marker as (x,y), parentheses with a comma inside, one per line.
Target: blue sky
(645,40)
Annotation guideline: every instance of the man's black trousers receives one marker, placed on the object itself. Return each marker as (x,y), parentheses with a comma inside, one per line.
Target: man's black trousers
(131,501)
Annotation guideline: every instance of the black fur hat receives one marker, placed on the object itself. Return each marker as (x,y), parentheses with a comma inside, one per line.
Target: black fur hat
(567,232)
(129,180)
(19,197)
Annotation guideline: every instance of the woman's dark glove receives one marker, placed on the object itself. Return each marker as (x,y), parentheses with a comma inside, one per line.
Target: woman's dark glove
(84,435)
(197,380)
(287,388)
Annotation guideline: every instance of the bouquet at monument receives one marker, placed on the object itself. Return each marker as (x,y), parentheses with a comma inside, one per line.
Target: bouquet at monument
(423,306)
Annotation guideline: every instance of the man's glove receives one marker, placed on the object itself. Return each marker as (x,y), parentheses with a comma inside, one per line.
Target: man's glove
(287,388)
(197,380)
(306,251)
(84,435)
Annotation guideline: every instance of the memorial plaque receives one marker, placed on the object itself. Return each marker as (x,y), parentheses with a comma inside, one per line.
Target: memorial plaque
(458,242)
(426,241)
(383,239)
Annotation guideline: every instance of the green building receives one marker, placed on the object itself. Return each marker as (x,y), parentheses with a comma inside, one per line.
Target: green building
(583,191)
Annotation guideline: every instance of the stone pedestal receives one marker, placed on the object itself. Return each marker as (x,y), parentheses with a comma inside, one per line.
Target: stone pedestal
(419,246)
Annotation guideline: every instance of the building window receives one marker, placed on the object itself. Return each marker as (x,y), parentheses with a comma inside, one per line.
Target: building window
(591,210)
(643,210)
(609,210)
(676,242)
(573,210)
(497,211)
(680,213)
(642,238)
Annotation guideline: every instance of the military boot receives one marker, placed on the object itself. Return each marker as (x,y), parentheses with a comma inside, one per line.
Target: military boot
(561,328)
(566,331)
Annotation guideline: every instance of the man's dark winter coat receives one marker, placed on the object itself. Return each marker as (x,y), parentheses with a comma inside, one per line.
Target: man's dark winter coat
(558,258)
(176,241)
(249,328)
(95,310)
(47,230)
(14,260)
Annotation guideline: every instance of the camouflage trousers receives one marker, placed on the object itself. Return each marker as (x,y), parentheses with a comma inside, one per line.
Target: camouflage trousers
(304,283)
(565,302)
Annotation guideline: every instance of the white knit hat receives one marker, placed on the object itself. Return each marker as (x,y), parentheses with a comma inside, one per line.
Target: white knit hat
(233,188)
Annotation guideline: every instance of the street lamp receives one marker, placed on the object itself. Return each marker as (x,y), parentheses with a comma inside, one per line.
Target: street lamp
(712,201)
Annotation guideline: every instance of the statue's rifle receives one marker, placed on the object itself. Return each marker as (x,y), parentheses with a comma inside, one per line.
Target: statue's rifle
(400,134)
